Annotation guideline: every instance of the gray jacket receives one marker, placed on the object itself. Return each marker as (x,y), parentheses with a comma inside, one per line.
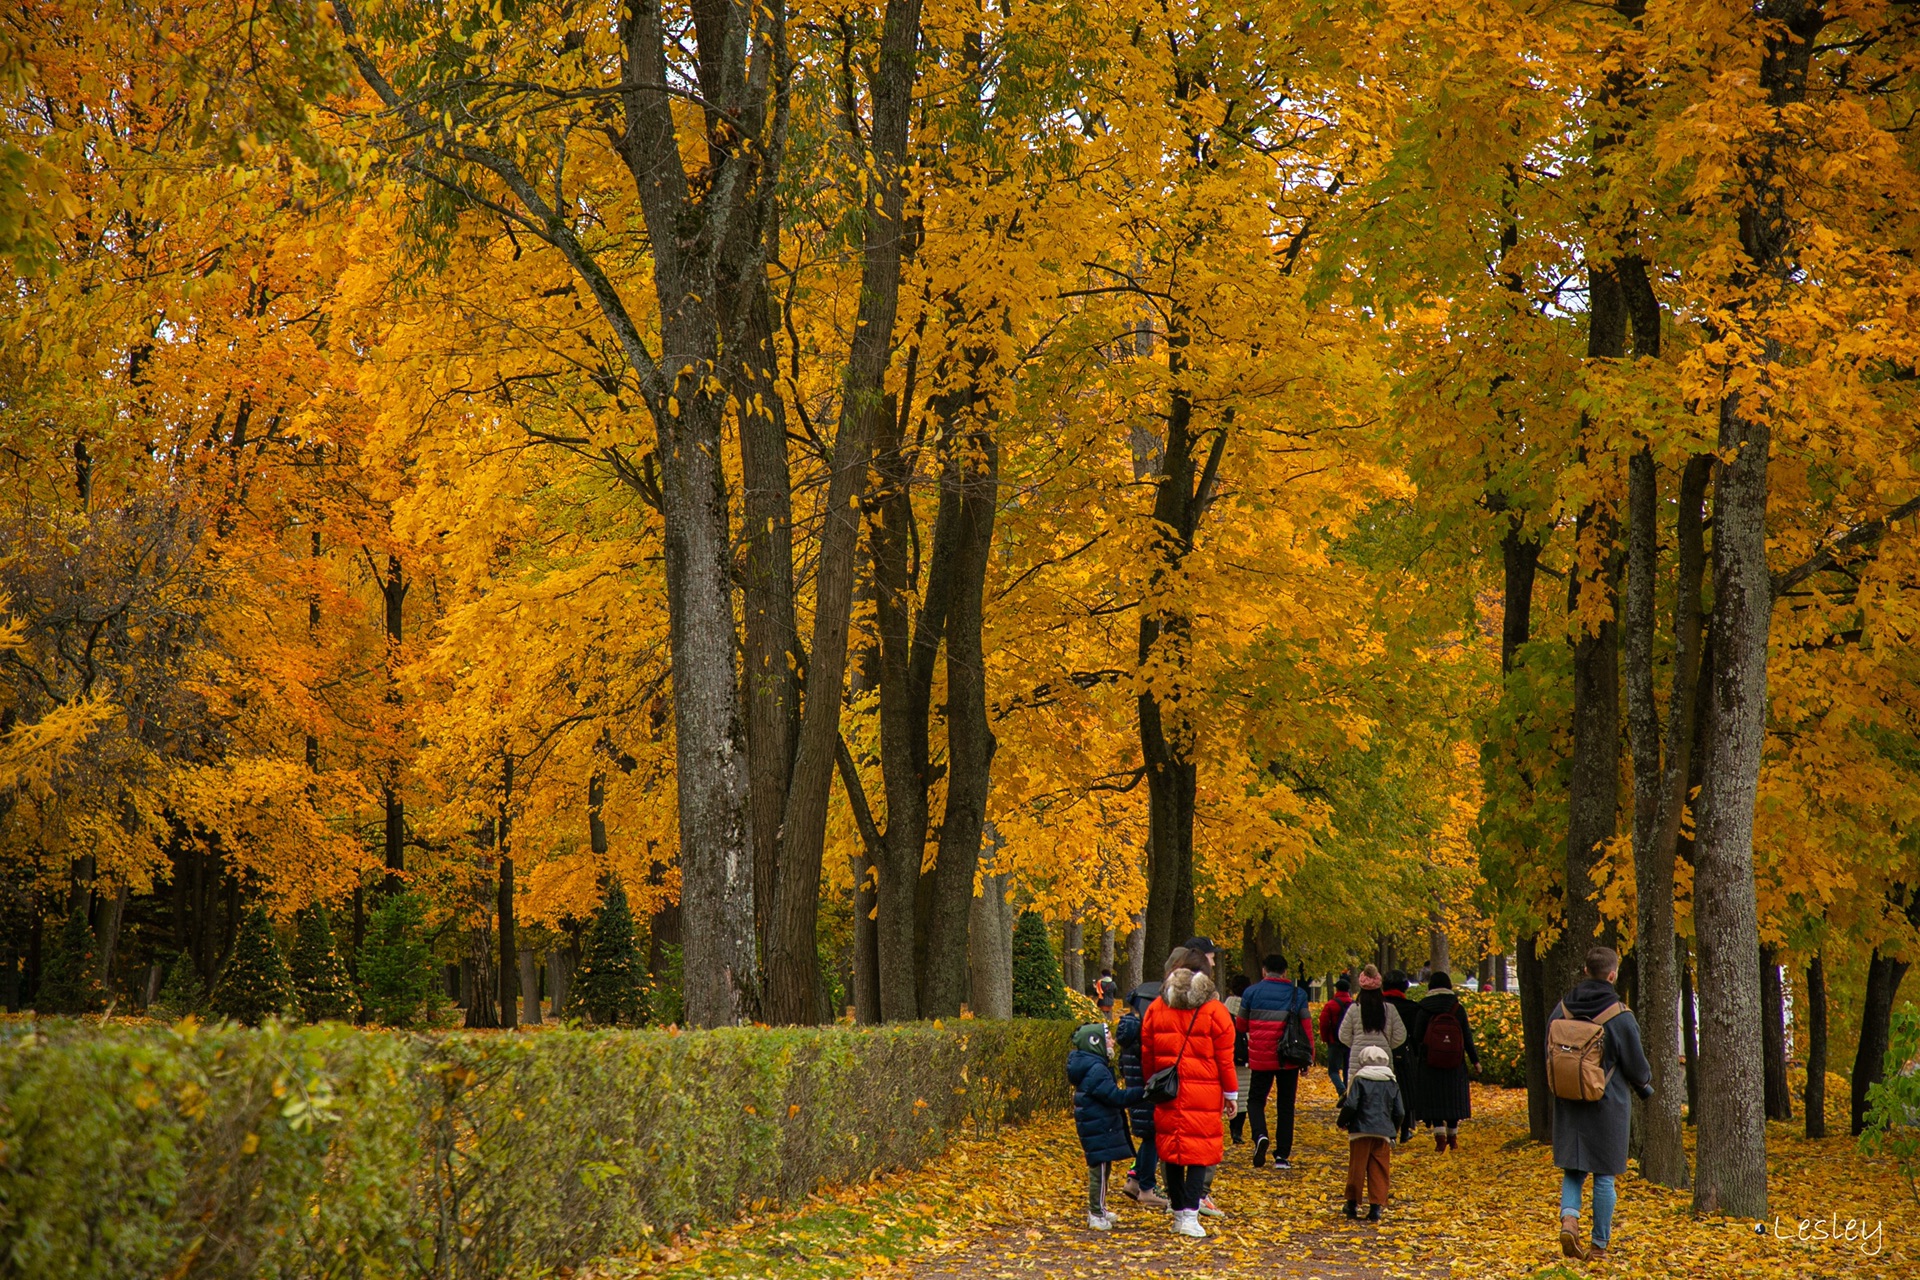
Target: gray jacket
(1591,1137)
(1378,1109)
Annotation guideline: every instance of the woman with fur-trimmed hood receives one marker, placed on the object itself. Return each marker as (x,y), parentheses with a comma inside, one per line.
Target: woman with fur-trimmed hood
(1189,1029)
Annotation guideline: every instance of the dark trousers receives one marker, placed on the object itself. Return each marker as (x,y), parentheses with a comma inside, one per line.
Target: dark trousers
(1186,1183)
(1146,1162)
(1285,1086)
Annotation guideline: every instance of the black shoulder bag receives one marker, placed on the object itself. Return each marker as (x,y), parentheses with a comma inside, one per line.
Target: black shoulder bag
(1164,1084)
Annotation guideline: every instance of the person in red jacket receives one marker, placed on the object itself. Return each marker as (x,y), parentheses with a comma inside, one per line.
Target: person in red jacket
(1189,1029)
(1273,1013)
(1330,1014)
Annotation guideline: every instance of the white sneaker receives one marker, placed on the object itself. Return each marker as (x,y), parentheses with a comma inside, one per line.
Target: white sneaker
(1210,1209)
(1100,1221)
(1186,1222)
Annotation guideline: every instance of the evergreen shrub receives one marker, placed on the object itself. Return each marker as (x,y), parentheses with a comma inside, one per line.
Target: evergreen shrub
(609,984)
(399,978)
(254,983)
(182,993)
(287,1152)
(1038,989)
(70,975)
(321,984)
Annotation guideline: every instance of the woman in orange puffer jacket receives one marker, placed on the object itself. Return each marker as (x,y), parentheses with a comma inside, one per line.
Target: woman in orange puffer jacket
(1187,1026)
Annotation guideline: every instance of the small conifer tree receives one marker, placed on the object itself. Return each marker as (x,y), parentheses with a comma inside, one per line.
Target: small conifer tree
(608,984)
(182,993)
(70,974)
(321,983)
(1038,990)
(254,985)
(399,981)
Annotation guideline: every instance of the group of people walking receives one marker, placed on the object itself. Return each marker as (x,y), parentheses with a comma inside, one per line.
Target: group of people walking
(1194,1067)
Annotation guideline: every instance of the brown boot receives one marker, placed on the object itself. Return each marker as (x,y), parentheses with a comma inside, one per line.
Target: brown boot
(1570,1242)
(1597,1253)
(1439,1139)
(1453,1139)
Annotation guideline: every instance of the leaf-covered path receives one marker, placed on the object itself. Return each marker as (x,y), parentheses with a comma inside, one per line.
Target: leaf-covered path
(1010,1208)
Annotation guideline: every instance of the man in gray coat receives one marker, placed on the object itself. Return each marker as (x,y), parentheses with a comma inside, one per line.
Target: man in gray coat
(1591,1137)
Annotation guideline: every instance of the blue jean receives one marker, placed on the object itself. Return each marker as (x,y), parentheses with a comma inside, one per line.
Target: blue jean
(1571,1182)
(1147,1162)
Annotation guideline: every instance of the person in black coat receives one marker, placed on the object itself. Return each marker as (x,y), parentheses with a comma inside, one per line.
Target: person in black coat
(1100,1115)
(1146,1165)
(1441,1092)
(1405,1065)
(1591,1137)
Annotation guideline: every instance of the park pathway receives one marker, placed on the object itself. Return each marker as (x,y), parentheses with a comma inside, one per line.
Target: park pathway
(1280,1226)
(1009,1207)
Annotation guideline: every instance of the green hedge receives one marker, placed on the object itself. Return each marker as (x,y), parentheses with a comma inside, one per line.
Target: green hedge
(331,1152)
(1495,1016)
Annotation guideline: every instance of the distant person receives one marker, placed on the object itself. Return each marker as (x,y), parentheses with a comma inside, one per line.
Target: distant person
(1106,991)
(1146,1164)
(1442,1041)
(1099,1114)
(1237,1126)
(1371,1112)
(1331,1012)
(1187,1028)
(1372,1021)
(1273,1013)
(1594,1059)
(1393,987)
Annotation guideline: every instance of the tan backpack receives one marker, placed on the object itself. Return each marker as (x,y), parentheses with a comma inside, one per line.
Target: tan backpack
(1575,1049)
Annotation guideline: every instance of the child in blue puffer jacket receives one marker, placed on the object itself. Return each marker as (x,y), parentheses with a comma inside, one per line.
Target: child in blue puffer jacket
(1100,1114)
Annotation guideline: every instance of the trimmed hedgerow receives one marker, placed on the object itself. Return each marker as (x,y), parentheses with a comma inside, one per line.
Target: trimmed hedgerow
(327,1151)
(1495,1016)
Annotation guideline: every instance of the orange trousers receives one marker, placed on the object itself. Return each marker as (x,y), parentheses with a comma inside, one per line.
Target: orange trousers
(1369,1165)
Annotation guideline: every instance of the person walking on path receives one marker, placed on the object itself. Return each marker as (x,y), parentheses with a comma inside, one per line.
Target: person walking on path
(1371,1113)
(1189,1030)
(1372,1021)
(1146,1165)
(1273,1013)
(1595,1062)
(1407,1067)
(1236,1127)
(1099,1115)
(1106,991)
(1443,1049)
(1331,1012)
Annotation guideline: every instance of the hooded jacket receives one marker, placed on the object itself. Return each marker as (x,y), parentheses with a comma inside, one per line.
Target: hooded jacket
(1127,1036)
(1099,1108)
(1592,1136)
(1331,1012)
(1374,1095)
(1188,1027)
(1264,1011)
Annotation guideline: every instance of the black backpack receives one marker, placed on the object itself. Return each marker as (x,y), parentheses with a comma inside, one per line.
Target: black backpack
(1296,1046)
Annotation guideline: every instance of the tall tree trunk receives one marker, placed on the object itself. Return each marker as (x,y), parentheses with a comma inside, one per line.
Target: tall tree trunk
(559,979)
(1593,799)
(1073,954)
(1182,494)
(1136,954)
(529,988)
(393,594)
(990,950)
(509,974)
(113,909)
(1689,1031)
(1535,1002)
(794,966)
(1884,976)
(1815,1102)
(1732,1173)
(1659,777)
(906,677)
(1520,559)
(1773,1007)
(482,1012)
(770,633)
(1106,949)
(973,464)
